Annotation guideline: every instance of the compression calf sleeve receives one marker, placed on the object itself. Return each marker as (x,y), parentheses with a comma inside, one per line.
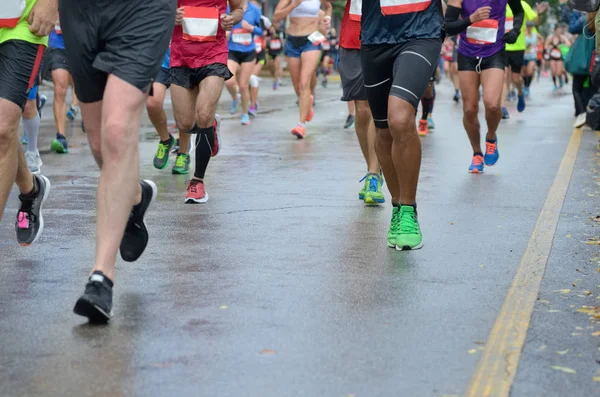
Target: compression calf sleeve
(204,139)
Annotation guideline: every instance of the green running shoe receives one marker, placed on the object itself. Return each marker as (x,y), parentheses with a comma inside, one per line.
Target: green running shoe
(363,191)
(394,227)
(182,164)
(409,233)
(161,158)
(59,145)
(374,195)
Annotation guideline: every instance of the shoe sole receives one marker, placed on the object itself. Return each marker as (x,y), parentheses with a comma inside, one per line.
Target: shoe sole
(41,214)
(408,248)
(196,201)
(297,135)
(58,148)
(372,201)
(475,172)
(95,314)
(174,172)
(163,167)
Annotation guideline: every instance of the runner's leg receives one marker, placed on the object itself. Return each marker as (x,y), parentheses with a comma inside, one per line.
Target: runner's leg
(469,88)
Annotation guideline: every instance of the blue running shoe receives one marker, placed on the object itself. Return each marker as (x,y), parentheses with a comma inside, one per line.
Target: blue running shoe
(233,106)
(374,195)
(245,119)
(477,164)
(59,145)
(491,152)
(72,113)
(430,123)
(41,103)
(526,92)
(24,140)
(521,103)
(505,115)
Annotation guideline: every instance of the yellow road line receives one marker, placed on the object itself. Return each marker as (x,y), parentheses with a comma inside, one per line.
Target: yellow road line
(498,366)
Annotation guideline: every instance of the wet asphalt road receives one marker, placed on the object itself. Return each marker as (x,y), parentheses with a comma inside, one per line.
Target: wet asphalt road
(282,284)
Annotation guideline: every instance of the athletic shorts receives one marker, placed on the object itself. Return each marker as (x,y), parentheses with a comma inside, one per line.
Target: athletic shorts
(296,45)
(529,58)
(261,57)
(56,58)
(191,78)
(19,66)
(401,70)
(163,77)
(242,57)
(128,39)
(514,60)
(353,84)
(274,53)
(477,64)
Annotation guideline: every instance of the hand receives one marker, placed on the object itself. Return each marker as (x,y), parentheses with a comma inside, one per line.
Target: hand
(481,14)
(511,37)
(247,26)
(42,17)
(327,23)
(226,22)
(179,16)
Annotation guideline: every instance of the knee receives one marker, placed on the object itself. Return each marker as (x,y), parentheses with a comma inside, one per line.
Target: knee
(154,105)
(204,117)
(304,85)
(185,125)
(402,121)
(491,107)
(117,138)
(60,90)
(243,85)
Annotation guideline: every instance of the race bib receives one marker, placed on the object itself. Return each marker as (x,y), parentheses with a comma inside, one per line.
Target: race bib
(317,38)
(555,53)
(275,44)
(200,23)
(326,46)
(355,10)
(483,32)
(241,36)
(508,24)
(395,7)
(11,12)
(258,43)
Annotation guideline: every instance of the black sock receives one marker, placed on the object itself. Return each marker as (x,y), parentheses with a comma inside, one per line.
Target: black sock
(427,106)
(396,205)
(554,80)
(204,140)
(59,135)
(478,154)
(490,140)
(108,280)
(168,141)
(33,193)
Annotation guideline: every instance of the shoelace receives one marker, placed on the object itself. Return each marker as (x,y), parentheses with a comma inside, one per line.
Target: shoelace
(161,150)
(477,160)
(373,184)
(180,162)
(408,223)
(192,185)
(490,148)
(395,226)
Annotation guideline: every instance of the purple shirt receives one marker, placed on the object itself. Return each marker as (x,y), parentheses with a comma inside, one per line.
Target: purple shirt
(480,32)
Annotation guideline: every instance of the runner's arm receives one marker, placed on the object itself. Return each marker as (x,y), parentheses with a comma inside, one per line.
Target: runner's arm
(283,9)
(236,8)
(519,16)
(326,4)
(323,25)
(452,24)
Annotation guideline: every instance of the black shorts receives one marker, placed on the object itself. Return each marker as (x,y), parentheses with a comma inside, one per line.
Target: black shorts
(19,66)
(56,58)
(401,70)
(163,77)
(261,57)
(274,53)
(353,83)
(128,39)
(514,60)
(477,64)
(242,57)
(191,78)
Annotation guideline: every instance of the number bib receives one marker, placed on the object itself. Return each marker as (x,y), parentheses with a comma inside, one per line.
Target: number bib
(395,7)
(508,24)
(326,46)
(483,32)
(355,10)
(241,36)
(258,42)
(200,23)
(275,44)
(555,53)
(11,12)
(317,38)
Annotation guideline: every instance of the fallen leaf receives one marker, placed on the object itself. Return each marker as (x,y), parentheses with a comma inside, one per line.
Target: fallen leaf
(596,218)
(564,369)
(267,352)
(563,291)
(544,301)
(479,342)
(553,311)
(597,333)
(579,328)
(588,293)
(575,333)
(596,378)
(569,236)
(543,347)
(562,352)
(472,351)
(223,307)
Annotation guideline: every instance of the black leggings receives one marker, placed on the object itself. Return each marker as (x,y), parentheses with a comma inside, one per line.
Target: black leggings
(581,94)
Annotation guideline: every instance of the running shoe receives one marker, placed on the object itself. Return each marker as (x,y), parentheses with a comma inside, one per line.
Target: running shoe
(41,103)
(252,111)
(363,191)
(72,113)
(476,165)
(82,127)
(59,145)
(580,121)
(374,195)
(245,119)
(456,97)
(311,112)
(526,91)
(182,164)
(521,103)
(505,115)
(491,152)
(409,233)
(34,161)
(349,122)
(394,227)
(24,140)
(161,158)
(275,85)
(233,107)
(216,143)
(299,131)
(30,220)
(135,238)
(430,123)
(96,301)
(196,192)
(324,82)
(423,129)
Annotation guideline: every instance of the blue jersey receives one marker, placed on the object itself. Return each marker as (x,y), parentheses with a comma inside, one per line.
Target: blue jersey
(56,40)
(398,21)
(167,60)
(242,40)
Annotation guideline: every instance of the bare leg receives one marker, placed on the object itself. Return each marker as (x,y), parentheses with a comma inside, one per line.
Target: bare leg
(366,133)
(184,104)
(60,78)
(231,84)
(492,91)
(469,87)
(156,111)
(383,147)
(309,64)
(243,79)
(10,114)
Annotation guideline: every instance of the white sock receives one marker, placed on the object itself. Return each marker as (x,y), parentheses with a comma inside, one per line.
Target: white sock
(31,128)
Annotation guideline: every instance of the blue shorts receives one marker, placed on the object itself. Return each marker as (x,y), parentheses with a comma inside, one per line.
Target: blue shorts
(296,45)
(33,93)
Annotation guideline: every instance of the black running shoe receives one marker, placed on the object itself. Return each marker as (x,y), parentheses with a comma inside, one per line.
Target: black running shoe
(30,220)
(135,238)
(96,301)
(349,122)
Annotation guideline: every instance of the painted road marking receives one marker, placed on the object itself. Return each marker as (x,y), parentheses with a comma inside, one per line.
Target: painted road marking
(498,366)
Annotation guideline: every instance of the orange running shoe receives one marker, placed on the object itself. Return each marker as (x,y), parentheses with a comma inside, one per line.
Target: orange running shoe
(477,164)
(311,112)
(299,131)
(423,128)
